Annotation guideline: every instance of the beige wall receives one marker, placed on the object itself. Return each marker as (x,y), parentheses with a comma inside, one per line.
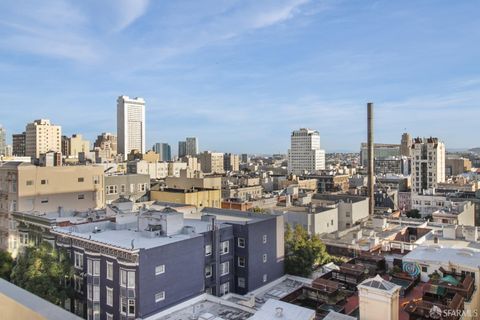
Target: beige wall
(11,309)
(203,198)
(63,186)
(77,144)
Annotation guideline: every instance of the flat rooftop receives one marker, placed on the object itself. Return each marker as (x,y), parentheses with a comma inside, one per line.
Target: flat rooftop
(237,216)
(467,257)
(124,235)
(205,307)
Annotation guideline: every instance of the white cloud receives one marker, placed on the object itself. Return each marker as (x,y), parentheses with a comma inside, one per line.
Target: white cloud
(129,11)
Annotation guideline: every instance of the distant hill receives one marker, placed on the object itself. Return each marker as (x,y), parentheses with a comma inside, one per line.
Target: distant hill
(474,150)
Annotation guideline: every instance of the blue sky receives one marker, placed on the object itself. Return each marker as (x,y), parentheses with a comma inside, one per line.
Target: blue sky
(240,75)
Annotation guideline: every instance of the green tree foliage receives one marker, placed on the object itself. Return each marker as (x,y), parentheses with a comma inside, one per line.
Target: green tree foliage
(6,265)
(45,272)
(303,252)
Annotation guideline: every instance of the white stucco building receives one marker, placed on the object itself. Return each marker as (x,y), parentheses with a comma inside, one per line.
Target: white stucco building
(305,154)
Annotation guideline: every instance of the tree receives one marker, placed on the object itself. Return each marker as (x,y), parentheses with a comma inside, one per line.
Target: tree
(258,210)
(6,265)
(45,272)
(304,252)
(414,213)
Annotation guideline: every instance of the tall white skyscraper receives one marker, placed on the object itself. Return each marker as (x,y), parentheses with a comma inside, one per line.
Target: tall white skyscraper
(130,125)
(428,164)
(191,146)
(305,154)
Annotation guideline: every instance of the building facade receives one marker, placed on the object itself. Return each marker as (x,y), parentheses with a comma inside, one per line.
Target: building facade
(40,137)
(406,145)
(134,187)
(211,162)
(191,146)
(163,150)
(428,164)
(28,188)
(231,162)
(305,154)
(136,267)
(130,125)
(18,144)
(381,151)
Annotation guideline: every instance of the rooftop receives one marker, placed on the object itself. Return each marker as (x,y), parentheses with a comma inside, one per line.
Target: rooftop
(205,307)
(466,257)
(275,309)
(130,232)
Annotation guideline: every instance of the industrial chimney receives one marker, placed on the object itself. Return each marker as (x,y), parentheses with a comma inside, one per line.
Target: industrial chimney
(371,159)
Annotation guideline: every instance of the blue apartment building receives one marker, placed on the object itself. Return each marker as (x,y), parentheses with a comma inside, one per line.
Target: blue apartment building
(141,264)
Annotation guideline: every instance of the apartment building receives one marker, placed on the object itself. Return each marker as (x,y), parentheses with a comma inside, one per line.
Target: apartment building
(211,162)
(351,209)
(18,144)
(198,197)
(28,188)
(231,162)
(428,164)
(72,146)
(189,179)
(138,266)
(134,187)
(42,136)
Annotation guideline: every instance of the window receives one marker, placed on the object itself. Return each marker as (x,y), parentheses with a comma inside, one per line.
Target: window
(224,247)
(109,296)
(29,182)
(264,238)
(224,268)
(43,181)
(81,179)
(127,278)
(241,262)
(123,189)
(264,278)
(131,307)
(96,293)
(78,260)
(127,306)
(241,242)
(159,269)
(78,283)
(112,189)
(208,249)
(160,296)
(208,271)
(109,270)
(424,269)
(224,288)
(81,197)
(89,291)
(241,282)
(264,258)
(44,201)
(109,316)
(347,214)
(93,267)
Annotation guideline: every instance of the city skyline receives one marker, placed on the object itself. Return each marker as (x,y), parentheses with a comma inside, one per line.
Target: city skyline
(239,76)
